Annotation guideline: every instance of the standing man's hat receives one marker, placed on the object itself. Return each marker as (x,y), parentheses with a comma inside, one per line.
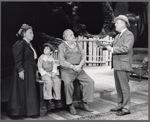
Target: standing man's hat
(50,46)
(124,18)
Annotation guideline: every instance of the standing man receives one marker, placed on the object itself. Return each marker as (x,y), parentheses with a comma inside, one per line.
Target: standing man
(122,63)
(72,58)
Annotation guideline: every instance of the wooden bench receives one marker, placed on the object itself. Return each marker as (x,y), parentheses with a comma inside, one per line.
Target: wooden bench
(44,108)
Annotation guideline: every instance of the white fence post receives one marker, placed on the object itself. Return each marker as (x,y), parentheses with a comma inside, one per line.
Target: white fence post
(90,52)
(94,54)
(105,57)
(98,55)
(85,48)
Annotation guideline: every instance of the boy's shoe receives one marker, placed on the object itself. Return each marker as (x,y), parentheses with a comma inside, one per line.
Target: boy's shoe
(49,104)
(58,103)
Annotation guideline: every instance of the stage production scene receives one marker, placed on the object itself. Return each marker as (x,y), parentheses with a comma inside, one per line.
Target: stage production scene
(74,60)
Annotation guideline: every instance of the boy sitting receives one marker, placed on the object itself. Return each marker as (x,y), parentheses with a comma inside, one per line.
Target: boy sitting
(48,71)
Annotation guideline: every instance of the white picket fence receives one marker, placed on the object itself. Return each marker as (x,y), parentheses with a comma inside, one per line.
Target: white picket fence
(95,56)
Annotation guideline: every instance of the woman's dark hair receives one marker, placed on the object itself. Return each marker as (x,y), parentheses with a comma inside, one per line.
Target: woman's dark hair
(23,29)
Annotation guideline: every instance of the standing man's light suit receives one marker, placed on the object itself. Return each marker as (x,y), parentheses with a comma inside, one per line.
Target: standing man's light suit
(122,63)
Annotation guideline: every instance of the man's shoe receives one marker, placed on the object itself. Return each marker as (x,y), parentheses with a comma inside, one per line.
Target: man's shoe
(85,107)
(116,109)
(122,113)
(72,110)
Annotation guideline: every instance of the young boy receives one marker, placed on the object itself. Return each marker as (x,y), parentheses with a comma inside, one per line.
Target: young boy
(48,71)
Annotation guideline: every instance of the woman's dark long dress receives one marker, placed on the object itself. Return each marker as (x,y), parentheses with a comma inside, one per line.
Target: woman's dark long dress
(23,99)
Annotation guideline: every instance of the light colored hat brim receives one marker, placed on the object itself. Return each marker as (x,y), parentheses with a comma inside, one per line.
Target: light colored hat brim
(122,18)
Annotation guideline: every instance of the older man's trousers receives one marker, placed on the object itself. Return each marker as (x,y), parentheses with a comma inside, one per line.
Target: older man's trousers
(87,83)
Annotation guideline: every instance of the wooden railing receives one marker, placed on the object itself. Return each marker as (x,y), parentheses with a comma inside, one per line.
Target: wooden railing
(95,56)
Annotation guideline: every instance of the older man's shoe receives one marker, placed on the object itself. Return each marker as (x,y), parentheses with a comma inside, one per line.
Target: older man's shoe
(72,110)
(85,107)
(122,113)
(116,109)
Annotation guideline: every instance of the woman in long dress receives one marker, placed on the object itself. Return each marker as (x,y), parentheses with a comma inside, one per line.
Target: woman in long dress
(23,99)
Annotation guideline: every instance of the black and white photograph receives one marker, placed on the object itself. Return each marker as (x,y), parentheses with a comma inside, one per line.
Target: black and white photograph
(74,60)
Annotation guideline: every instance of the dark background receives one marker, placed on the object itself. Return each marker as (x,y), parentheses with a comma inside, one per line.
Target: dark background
(39,16)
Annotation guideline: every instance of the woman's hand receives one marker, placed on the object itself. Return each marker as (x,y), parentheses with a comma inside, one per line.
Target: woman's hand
(37,75)
(21,75)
